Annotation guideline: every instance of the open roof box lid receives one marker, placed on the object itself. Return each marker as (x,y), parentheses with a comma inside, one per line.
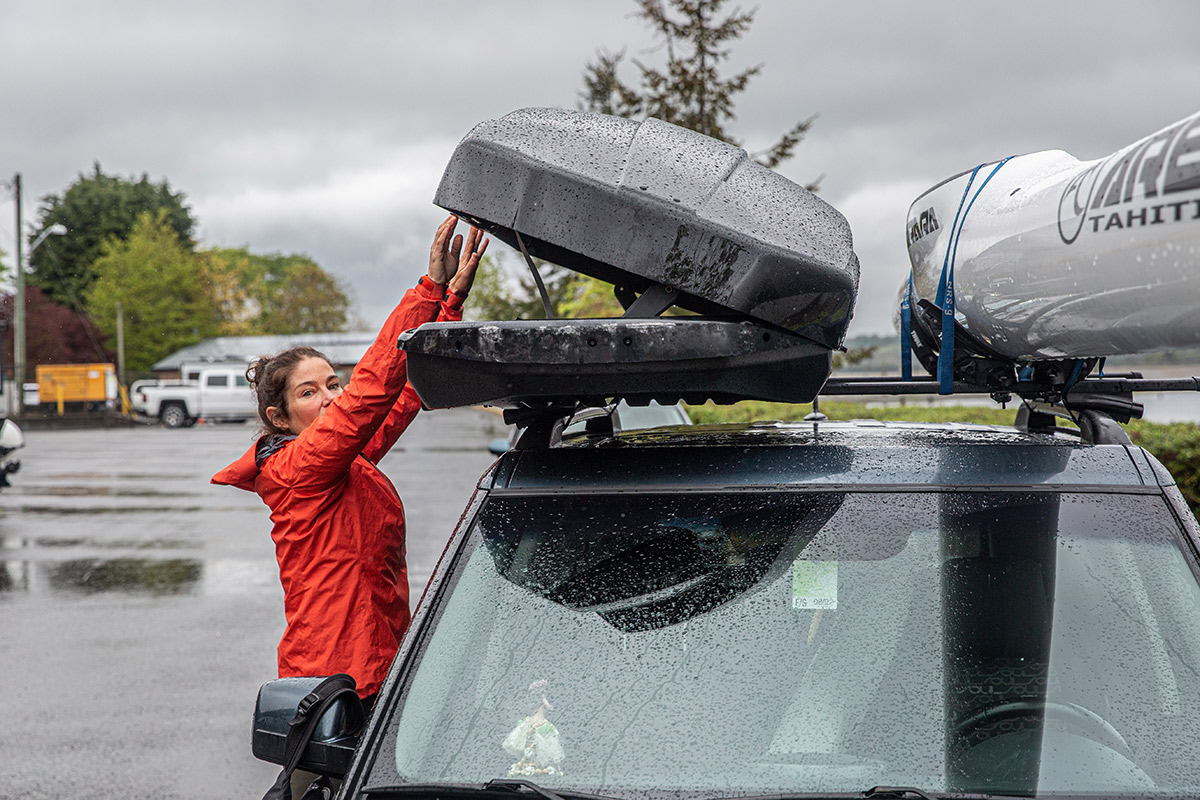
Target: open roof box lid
(671,218)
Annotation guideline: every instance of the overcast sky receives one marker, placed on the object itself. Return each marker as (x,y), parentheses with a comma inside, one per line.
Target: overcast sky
(323,127)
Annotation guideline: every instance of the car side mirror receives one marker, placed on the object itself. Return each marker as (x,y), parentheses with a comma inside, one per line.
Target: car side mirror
(333,741)
(499,447)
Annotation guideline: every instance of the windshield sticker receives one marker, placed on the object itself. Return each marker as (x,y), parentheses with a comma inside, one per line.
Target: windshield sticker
(535,741)
(814,584)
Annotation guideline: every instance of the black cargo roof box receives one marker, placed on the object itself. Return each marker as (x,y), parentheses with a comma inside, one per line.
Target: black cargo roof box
(668,216)
(643,203)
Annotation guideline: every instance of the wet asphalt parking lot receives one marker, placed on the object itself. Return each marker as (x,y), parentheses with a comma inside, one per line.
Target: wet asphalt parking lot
(140,606)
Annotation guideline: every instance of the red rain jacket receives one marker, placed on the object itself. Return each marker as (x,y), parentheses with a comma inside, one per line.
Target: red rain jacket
(338,521)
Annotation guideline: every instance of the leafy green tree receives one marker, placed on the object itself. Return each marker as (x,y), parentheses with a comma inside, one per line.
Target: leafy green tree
(689,91)
(493,295)
(588,298)
(95,209)
(308,300)
(231,301)
(164,288)
(277,293)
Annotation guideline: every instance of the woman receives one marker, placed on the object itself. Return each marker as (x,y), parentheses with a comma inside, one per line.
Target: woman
(338,521)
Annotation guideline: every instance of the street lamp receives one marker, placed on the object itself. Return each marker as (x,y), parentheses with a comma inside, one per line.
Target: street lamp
(19,307)
(57,229)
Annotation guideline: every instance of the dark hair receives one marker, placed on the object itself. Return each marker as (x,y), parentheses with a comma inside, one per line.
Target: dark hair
(269,376)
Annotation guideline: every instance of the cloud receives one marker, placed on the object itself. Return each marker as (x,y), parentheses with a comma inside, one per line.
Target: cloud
(322,127)
(877,214)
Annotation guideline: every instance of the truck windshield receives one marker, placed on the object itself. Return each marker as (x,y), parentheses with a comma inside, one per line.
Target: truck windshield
(1006,642)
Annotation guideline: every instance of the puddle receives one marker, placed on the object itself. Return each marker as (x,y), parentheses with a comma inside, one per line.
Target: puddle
(156,577)
(97,491)
(152,577)
(14,543)
(59,511)
(80,476)
(108,476)
(156,476)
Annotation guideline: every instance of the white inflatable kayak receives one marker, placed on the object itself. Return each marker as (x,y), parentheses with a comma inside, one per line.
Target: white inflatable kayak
(1043,257)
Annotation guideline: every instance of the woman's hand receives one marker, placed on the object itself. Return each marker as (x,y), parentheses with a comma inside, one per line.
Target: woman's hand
(450,262)
(472,252)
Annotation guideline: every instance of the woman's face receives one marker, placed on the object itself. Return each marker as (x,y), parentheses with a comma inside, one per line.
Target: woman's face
(310,388)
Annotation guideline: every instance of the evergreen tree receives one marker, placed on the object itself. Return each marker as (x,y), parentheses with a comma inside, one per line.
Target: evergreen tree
(689,91)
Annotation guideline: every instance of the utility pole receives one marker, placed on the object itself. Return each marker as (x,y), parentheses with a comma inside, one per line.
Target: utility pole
(56,229)
(19,305)
(120,345)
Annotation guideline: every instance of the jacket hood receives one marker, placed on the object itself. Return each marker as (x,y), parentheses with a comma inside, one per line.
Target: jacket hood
(242,472)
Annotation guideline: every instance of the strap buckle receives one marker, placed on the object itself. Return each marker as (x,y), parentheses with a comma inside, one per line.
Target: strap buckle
(303,707)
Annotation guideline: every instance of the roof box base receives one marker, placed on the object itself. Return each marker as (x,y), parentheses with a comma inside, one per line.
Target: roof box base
(517,364)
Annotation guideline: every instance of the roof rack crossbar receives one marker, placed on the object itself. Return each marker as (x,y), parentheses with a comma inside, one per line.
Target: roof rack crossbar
(1108,385)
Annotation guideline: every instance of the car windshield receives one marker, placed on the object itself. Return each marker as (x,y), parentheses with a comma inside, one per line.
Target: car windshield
(792,642)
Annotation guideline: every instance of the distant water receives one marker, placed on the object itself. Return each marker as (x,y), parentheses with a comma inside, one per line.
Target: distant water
(1170,406)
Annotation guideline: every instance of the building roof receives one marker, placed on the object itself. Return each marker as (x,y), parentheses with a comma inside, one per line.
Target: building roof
(343,349)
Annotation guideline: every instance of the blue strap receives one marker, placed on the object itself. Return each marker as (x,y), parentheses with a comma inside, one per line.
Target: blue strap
(945,366)
(945,301)
(906,332)
(945,362)
(1076,374)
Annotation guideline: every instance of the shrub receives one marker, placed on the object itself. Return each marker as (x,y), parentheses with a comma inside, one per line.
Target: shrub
(1177,446)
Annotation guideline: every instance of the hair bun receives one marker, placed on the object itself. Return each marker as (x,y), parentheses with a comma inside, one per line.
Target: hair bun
(252,371)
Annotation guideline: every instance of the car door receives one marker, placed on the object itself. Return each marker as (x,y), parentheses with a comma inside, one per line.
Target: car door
(217,395)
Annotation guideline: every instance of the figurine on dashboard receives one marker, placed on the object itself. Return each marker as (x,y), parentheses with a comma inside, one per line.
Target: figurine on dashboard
(535,741)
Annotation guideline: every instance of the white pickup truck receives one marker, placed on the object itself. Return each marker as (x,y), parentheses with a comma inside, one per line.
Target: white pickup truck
(209,393)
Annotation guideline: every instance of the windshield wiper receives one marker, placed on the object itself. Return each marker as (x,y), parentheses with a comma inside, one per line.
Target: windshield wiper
(875,793)
(894,793)
(497,786)
(517,787)
(912,793)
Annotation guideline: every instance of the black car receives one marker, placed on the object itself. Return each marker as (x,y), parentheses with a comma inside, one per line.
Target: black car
(809,609)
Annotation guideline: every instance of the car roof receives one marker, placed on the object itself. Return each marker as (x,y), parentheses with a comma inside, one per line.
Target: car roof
(861,453)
